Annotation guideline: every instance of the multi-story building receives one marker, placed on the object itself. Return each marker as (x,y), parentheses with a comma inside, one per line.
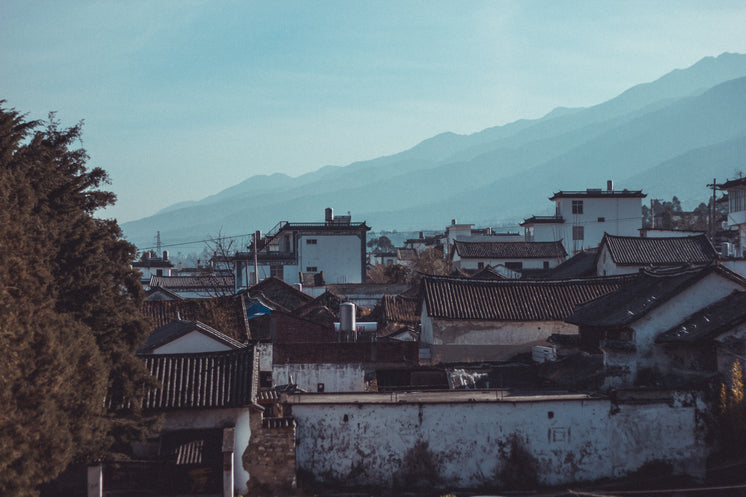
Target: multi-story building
(332,251)
(582,217)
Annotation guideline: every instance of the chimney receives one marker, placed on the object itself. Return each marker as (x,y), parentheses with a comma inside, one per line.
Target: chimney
(422,235)
(610,185)
(329,214)
(165,255)
(453,221)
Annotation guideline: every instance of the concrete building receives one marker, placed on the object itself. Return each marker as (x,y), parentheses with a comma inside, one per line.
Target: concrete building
(335,247)
(582,217)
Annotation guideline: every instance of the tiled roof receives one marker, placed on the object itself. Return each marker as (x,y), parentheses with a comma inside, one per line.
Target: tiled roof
(487,273)
(580,265)
(646,292)
(226,314)
(214,380)
(668,251)
(280,292)
(219,283)
(598,193)
(510,250)
(732,183)
(156,262)
(710,322)
(176,329)
(543,220)
(400,310)
(512,300)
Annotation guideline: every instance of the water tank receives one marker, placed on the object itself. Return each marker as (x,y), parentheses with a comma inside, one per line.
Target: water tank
(347,316)
(329,214)
(726,249)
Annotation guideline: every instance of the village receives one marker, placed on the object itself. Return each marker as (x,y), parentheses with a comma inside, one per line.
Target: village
(591,346)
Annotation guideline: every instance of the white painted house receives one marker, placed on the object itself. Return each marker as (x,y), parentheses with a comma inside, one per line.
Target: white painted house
(629,254)
(582,217)
(467,320)
(517,256)
(737,212)
(334,249)
(627,324)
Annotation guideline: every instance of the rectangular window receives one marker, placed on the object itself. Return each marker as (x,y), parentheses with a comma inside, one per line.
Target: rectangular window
(480,265)
(312,269)
(311,241)
(514,266)
(577,206)
(546,264)
(578,232)
(601,219)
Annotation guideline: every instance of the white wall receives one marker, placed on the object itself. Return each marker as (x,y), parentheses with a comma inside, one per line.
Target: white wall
(339,256)
(191,343)
(572,440)
(335,377)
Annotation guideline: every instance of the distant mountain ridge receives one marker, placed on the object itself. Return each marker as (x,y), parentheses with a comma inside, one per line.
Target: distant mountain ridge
(691,120)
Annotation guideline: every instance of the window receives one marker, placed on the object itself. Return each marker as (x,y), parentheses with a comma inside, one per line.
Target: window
(577,206)
(546,264)
(311,241)
(737,200)
(480,265)
(276,271)
(159,272)
(601,219)
(312,269)
(514,266)
(578,232)
(320,387)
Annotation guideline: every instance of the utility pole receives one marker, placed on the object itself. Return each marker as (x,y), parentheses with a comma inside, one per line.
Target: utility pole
(257,236)
(712,211)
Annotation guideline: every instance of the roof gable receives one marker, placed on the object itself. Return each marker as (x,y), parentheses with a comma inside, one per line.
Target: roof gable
(664,251)
(511,300)
(648,291)
(280,292)
(178,329)
(226,313)
(510,250)
(710,322)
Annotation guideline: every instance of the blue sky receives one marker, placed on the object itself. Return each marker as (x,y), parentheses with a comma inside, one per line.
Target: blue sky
(182,99)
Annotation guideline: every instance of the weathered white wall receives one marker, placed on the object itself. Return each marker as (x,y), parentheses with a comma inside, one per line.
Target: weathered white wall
(473,263)
(572,440)
(264,349)
(191,343)
(339,256)
(471,340)
(335,377)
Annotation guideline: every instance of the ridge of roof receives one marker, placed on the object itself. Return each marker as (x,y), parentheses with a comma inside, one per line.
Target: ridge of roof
(503,250)
(670,250)
(179,328)
(708,322)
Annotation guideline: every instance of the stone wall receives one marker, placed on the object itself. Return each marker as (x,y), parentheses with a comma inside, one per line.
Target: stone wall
(270,456)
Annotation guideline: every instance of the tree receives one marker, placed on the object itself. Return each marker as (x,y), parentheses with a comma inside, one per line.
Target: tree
(382,244)
(69,321)
(431,261)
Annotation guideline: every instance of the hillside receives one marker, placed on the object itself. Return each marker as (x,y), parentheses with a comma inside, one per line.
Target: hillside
(670,136)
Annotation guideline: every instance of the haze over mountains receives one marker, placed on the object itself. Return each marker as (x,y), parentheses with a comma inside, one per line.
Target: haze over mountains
(668,137)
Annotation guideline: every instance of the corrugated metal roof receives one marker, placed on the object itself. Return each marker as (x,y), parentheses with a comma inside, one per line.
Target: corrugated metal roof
(511,300)
(510,250)
(214,380)
(668,251)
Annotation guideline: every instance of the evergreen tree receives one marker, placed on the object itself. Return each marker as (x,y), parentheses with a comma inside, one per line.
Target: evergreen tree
(69,321)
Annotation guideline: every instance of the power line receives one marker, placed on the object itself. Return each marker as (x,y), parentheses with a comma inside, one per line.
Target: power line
(166,245)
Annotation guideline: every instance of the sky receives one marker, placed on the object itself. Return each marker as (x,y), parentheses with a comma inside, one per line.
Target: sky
(182,99)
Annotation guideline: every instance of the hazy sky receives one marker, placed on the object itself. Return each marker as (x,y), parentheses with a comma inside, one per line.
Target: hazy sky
(184,98)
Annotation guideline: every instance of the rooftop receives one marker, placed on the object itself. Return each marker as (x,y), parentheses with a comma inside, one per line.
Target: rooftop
(659,251)
(598,193)
(176,329)
(510,250)
(710,322)
(190,381)
(513,300)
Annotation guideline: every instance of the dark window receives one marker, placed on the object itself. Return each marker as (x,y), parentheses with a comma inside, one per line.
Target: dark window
(601,219)
(276,271)
(265,379)
(514,266)
(577,206)
(311,241)
(320,387)
(312,269)
(546,264)
(480,265)
(159,272)
(578,232)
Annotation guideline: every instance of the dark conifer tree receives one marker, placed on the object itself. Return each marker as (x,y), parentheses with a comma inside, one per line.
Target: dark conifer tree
(69,321)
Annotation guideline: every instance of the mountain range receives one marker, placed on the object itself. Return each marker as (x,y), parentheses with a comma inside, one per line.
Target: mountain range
(668,137)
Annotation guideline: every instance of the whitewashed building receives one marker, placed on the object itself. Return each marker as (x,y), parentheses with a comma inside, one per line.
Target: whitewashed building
(335,250)
(517,256)
(582,217)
